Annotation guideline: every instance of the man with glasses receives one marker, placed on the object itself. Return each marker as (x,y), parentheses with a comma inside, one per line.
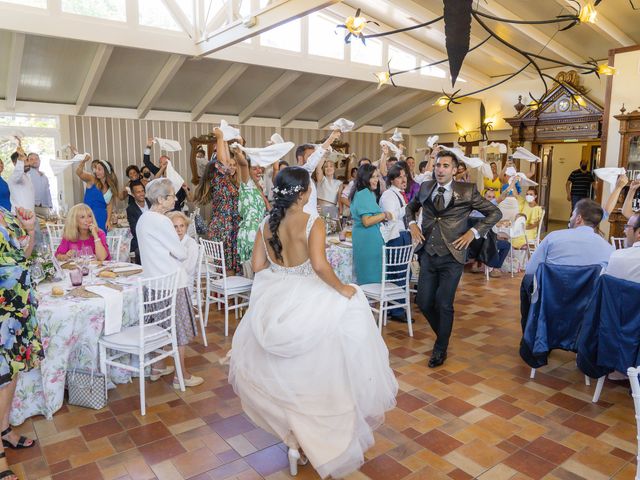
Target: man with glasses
(625,263)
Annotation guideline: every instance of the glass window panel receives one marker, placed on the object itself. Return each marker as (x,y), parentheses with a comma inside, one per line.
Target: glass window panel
(28,3)
(369,54)
(400,59)
(187,8)
(432,71)
(108,9)
(323,39)
(154,13)
(285,37)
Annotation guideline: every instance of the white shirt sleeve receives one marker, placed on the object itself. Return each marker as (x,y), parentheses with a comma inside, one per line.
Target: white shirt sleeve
(17,176)
(387,203)
(191,263)
(313,160)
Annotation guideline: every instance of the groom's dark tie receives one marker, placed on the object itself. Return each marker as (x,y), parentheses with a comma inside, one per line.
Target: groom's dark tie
(438,201)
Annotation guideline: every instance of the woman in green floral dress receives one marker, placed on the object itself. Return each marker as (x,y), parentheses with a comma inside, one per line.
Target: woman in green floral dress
(252,205)
(20,346)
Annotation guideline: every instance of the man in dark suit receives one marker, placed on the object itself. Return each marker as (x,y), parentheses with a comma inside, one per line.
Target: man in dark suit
(134,210)
(444,238)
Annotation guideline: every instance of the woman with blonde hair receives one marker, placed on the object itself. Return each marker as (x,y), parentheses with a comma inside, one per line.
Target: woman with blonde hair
(81,231)
(101,186)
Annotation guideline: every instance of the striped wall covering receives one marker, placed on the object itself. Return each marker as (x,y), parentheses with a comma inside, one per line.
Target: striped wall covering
(122,141)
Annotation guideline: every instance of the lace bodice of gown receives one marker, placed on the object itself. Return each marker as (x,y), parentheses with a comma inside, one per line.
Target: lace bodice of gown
(304,269)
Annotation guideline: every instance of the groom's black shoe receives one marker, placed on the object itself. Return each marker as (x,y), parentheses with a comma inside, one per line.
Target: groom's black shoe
(437,359)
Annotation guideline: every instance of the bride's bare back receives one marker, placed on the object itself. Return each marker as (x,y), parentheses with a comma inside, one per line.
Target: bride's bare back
(293,237)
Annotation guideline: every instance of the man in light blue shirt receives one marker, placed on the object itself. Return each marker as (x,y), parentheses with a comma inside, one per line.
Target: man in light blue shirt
(580,245)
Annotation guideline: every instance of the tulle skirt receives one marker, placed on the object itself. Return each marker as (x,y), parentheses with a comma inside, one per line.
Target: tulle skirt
(310,366)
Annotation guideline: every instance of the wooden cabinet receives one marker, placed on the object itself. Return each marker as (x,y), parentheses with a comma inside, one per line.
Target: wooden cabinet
(629,158)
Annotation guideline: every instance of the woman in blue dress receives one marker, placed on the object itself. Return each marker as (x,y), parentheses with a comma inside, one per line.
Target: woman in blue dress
(367,216)
(100,188)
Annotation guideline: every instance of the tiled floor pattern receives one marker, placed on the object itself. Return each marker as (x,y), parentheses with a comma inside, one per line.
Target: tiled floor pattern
(480,416)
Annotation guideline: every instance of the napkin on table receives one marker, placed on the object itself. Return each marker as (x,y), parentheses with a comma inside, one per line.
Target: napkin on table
(113,300)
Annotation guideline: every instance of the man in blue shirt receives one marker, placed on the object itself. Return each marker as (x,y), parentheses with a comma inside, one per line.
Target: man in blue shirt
(579,245)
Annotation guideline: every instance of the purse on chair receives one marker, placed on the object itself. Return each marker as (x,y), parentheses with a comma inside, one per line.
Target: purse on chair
(87,386)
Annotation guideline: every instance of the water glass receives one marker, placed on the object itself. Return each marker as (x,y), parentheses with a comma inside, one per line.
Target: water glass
(75,277)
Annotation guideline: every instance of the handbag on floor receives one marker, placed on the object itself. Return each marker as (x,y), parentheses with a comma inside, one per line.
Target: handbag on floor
(87,386)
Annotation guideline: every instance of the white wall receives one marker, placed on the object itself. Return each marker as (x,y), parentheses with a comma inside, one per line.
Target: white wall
(566,158)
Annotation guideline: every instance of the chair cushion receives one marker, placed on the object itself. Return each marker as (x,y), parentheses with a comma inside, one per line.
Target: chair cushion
(391,290)
(234,284)
(128,338)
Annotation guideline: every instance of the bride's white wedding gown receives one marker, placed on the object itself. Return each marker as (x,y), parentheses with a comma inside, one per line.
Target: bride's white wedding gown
(310,366)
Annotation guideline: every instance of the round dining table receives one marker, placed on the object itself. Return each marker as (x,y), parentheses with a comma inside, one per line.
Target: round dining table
(70,327)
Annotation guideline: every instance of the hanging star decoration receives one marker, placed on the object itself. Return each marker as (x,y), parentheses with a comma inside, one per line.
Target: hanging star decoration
(458,17)
(354,26)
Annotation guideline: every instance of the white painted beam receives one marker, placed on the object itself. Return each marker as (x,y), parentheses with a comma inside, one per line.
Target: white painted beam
(216,22)
(286,79)
(532,32)
(221,85)
(411,44)
(273,15)
(96,69)
(180,18)
(13,69)
(165,76)
(421,107)
(604,25)
(358,99)
(383,107)
(324,91)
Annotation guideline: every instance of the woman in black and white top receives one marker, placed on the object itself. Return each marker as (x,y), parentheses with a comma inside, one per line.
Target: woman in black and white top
(329,188)
(394,231)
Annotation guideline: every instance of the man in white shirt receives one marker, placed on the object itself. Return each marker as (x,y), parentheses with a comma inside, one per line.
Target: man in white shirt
(309,158)
(20,186)
(625,263)
(40,182)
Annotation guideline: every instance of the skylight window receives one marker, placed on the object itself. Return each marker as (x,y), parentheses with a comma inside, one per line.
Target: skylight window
(285,37)
(154,13)
(400,59)
(371,54)
(107,9)
(323,40)
(28,3)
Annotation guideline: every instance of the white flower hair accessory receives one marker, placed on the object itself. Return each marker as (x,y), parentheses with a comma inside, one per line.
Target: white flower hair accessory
(287,191)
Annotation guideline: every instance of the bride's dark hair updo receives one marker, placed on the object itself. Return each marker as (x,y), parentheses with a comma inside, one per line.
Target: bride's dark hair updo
(290,183)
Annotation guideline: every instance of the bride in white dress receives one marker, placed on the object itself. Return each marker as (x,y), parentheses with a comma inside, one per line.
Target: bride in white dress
(307,359)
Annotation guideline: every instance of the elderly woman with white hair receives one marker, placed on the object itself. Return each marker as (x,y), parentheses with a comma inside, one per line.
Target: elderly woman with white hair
(162,253)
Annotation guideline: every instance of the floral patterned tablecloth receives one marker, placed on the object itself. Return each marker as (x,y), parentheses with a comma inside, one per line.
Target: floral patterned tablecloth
(340,257)
(66,324)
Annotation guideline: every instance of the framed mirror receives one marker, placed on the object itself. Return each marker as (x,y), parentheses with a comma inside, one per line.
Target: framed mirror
(207,144)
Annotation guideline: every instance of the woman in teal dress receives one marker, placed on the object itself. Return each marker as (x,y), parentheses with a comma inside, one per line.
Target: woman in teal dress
(367,216)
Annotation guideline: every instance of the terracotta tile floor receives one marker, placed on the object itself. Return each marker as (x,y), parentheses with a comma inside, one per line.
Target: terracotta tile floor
(480,416)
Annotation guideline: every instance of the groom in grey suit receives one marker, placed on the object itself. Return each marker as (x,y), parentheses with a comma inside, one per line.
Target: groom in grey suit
(444,237)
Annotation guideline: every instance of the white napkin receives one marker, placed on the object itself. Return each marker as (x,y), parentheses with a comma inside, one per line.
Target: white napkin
(510,172)
(609,175)
(275,138)
(168,145)
(268,155)
(126,268)
(228,132)
(524,154)
(343,125)
(392,147)
(524,180)
(502,148)
(485,169)
(176,180)
(471,162)
(112,307)
(432,140)
(397,136)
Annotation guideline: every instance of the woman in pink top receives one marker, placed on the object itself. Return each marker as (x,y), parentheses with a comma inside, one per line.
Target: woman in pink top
(80,231)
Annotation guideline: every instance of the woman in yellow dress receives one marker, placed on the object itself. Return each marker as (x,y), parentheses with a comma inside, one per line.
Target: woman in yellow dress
(494,182)
(533,212)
